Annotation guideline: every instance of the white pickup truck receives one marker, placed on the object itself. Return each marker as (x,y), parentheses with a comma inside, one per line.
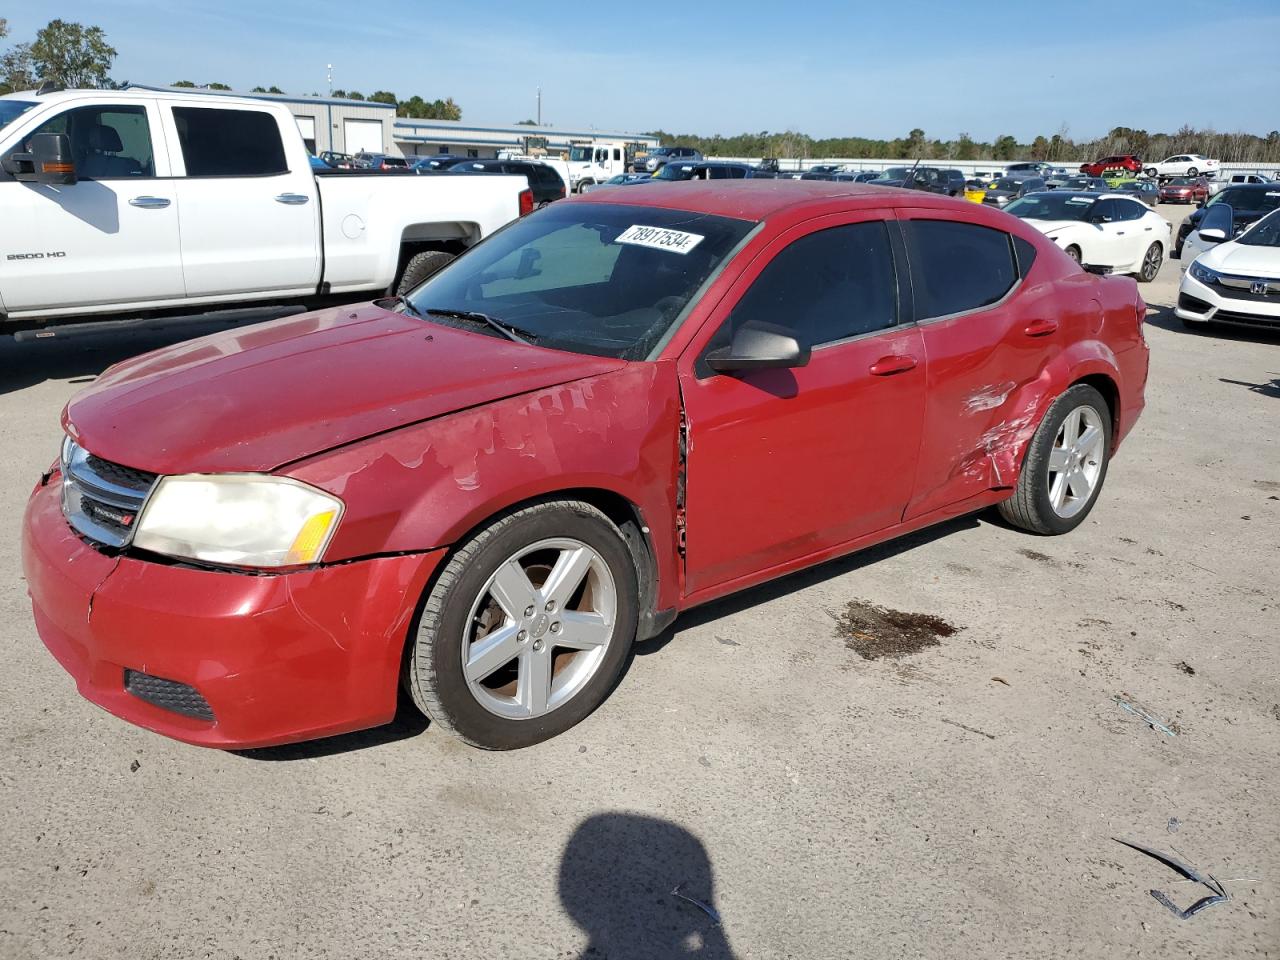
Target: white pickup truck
(140,203)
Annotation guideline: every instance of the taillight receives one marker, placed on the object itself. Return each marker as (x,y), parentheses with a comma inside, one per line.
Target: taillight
(562,193)
(526,202)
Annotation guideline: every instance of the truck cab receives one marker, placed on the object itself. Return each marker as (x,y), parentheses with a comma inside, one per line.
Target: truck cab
(596,161)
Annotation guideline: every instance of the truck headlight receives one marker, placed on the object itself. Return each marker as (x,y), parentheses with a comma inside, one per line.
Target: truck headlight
(238,519)
(1203,273)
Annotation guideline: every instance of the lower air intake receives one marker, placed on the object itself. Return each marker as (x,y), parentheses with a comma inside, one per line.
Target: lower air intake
(168,695)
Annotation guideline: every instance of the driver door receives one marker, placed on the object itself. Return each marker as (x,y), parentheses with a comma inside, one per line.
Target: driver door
(784,464)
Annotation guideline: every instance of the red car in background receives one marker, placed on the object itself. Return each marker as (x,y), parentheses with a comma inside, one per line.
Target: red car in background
(1124,162)
(611,411)
(1184,190)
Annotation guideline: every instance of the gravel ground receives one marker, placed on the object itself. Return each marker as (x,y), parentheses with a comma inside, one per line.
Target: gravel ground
(956,798)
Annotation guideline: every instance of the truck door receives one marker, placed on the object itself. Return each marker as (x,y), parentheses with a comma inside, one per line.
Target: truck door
(109,238)
(249,223)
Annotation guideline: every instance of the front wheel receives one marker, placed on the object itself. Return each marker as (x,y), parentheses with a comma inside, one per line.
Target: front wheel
(1065,465)
(1193,172)
(527,628)
(1073,252)
(1151,262)
(1152,172)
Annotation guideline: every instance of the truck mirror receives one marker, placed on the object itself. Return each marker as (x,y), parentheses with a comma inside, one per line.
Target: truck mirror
(51,159)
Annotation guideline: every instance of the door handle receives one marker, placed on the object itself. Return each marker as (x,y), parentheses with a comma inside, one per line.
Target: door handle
(888,366)
(149,203)
(1040,328)
(292,198)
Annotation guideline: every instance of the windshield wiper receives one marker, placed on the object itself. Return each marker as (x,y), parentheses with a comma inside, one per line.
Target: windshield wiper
(508,330)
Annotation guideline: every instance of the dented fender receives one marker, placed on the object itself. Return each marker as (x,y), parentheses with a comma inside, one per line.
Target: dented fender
(426,485)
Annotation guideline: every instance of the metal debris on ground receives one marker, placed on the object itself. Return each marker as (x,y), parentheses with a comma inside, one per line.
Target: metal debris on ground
(1174,824)
(706,908)
(1149,718)
(1218,893)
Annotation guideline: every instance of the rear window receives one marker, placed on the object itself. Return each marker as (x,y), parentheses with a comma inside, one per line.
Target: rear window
(957,267)
(229,143)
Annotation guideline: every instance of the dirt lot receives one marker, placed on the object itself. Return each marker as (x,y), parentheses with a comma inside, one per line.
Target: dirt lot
(955,795)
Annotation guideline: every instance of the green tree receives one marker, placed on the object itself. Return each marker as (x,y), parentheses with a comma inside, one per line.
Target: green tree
(73,55)
(526,123)
(274,89)
(182,83)
(966,149)
(384,96)
(340,94)
(1040,149)
(355,95)
(1005,148)
(218,86)
(257,89)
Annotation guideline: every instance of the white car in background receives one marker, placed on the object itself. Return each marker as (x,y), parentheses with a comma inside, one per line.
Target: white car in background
(1230,180)
(1231,281)
(1183,165)
(1100,229)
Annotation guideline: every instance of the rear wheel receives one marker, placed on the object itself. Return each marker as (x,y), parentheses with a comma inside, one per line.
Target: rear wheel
(1151,262)
(1065,466)
(527,628)
(1193,172)
(420,267)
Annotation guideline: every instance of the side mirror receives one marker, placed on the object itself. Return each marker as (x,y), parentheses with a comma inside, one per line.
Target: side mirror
(759,347)
(1213,235)
(48,162)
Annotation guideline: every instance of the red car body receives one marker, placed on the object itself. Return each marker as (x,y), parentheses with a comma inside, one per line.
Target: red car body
(1178,191)
(1097,168)
(425,432)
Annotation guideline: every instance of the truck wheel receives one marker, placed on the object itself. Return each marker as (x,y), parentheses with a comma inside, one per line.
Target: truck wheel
(420,267)
(527,628)
(582,185)
(1065,465)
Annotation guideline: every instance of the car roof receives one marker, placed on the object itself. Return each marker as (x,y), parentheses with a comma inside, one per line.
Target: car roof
(759,199)
(138,93)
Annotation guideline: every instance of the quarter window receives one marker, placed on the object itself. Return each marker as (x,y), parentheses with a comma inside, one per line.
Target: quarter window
(229,143)
(107,143)
(956,267)
(826,286)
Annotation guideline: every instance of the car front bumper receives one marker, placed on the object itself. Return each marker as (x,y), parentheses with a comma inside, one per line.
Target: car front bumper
(1200,302)
(274,658)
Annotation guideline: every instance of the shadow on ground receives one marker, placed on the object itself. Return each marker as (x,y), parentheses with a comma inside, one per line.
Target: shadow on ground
(1163,317)
(617,877)
(80,357)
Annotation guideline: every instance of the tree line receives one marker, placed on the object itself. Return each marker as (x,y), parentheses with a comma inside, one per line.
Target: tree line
(1060,147)
(415,107)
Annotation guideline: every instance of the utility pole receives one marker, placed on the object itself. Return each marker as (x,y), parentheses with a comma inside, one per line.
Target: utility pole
(330,69)
(539,106)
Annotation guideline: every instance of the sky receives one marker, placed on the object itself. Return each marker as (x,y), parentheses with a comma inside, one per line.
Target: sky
(818,67)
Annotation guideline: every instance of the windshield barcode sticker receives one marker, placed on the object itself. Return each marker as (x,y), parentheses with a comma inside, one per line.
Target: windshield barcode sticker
(673,240)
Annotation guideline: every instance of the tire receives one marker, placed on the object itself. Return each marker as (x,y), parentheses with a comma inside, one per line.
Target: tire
(1193,172)
(1032,506)
(1152,172)
(1152,260)
(500,707)
(582,185)
(1074,253)
(420,267)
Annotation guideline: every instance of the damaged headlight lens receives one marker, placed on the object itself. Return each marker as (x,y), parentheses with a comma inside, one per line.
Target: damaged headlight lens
(238,519)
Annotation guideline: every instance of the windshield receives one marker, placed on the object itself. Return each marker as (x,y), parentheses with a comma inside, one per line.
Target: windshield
(608,280)
(1007,183)
(1264,233)
(894,173)
(1248,198)
(10,110)
(1051,206)
(1181,182)
(675,171)
(580,154)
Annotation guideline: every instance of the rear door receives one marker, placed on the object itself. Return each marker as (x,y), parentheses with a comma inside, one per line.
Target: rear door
(250,223)
(985,337)
(110,238)
(783,464)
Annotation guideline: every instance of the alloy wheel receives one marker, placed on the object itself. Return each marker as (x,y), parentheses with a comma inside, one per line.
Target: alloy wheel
(1151,262)
(539,629)
(1075,461)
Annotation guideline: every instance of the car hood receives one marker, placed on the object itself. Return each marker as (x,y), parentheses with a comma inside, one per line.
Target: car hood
(1243,260)
(259,397)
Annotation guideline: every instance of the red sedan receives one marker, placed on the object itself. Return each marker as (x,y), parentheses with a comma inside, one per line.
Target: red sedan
(613,410)
(1184,190)
(1105,166)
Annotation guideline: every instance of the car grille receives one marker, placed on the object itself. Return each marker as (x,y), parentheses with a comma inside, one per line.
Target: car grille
(1241,288)
(101,500)
(167,694)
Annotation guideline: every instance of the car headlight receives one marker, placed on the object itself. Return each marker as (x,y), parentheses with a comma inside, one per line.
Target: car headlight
(1203,273)
(238,519)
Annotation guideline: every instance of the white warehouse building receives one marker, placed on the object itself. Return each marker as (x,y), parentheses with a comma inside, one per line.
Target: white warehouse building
(458,137)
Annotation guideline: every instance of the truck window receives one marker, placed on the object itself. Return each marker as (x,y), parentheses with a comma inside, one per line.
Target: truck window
(229,143)
(107,142)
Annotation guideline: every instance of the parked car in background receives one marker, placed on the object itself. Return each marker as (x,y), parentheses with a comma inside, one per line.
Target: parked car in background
(1058,177)
(1030,168)
(1144,190)
(317,163)
(949,183)
(620,180)
(552,447)
(1082,182)
(1128,162)
(441,161)
(1184,190)
(1248,202)
(221,211)
(381,162)
(1107,230)
(1007,189)
(339,161)
(1226,180)
(658,157)
(674,171)
(547,185)
(975,191)
(1182,165)
(1230,280)
(824,168)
